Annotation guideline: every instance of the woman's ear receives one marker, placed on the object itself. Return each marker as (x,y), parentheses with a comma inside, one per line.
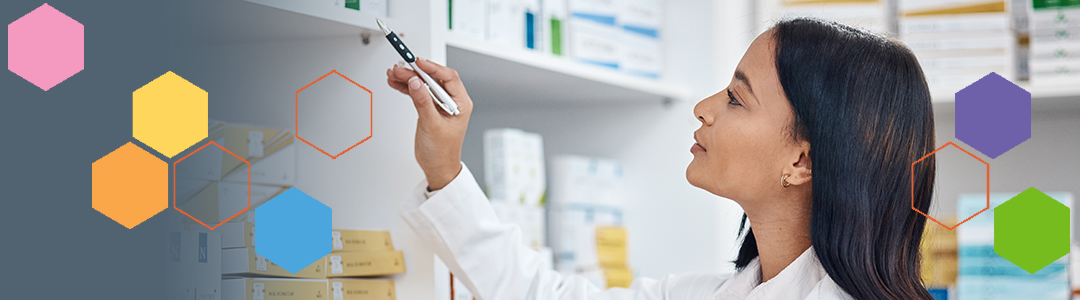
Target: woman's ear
(799,172)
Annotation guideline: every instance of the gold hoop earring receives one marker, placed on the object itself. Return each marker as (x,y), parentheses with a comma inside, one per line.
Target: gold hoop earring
(783,181)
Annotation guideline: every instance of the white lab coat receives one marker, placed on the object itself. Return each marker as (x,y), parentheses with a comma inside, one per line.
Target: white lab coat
(490,259)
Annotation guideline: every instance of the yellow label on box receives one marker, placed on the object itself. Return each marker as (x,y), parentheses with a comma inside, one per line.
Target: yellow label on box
(361,240)
(244,261)
(281,289)
(611,256)
(610,236)
(619,277)
(364,263)
(362,289)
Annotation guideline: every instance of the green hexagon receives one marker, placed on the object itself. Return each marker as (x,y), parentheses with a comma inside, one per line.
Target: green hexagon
(1031,230)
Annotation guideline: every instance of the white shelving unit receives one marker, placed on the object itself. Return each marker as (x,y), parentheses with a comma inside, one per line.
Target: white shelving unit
(1038,93)
(520,76)
(509,75)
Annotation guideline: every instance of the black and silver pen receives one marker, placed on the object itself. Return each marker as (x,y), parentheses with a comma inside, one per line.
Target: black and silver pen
(441,97)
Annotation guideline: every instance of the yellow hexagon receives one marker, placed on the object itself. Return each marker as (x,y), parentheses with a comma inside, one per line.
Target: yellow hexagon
(169,114)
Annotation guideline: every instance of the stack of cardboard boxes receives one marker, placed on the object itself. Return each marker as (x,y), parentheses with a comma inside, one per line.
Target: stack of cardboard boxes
(1055,42)
(613,268)
(212,183)
(516,185)
(983,274)
(959,42)
(223,263)
(939,254)
(515,180)
(356,253)
(585,218)
(211,187)
(867,14)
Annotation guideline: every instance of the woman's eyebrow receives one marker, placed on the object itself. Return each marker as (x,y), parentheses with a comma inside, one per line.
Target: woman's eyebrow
(742,77)
(739,75)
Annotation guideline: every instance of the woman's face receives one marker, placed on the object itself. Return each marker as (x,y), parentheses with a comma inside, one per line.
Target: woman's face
(744,142)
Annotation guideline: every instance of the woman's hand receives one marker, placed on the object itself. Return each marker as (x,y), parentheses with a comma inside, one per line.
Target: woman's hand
(438,135)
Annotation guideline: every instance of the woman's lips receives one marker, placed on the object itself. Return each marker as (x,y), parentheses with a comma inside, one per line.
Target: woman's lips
(697,148)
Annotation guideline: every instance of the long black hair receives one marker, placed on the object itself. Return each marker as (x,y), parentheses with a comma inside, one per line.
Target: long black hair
(862,103)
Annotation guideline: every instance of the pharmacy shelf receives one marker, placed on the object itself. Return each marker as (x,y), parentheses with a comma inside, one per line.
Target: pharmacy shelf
(1043,98)
(1037,93)
(500,74)
(246,21)
(326,10)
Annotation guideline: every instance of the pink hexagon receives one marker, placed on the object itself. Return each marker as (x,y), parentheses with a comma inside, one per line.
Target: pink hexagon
(45,47)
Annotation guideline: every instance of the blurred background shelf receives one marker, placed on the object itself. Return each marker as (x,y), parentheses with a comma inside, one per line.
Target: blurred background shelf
(1037,93)
(517,76)
(1043,98)
(326,10)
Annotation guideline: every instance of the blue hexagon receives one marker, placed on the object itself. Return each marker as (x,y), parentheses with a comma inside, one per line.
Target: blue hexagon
(993,115)
(294,230)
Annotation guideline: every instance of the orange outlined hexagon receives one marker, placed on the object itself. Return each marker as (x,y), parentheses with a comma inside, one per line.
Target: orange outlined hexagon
(371,115)
(913,186)
(230,217)
(130,185)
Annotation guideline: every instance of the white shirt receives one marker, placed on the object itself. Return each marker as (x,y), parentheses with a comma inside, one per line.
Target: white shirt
(490,259)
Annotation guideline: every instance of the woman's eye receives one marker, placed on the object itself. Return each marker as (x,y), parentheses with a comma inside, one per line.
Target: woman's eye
(732,100)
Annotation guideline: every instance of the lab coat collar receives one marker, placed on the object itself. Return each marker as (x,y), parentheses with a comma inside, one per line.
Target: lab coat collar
(796,281)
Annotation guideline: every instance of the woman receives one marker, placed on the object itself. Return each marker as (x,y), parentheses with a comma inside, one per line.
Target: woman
(814,137)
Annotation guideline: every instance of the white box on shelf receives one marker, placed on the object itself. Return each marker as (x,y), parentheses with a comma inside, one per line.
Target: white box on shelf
(469,17)
(278,168)
(375,8)
(1055,18)
(601,11)
(594,43)
(530,219)
(1054,74)
(584,180)
(221,200)
(514,166)
(642,54)
(865,14)
(202,165)
(640,15)
(572,228)
(505,24)
(237,235)
(194,265)
(956,49)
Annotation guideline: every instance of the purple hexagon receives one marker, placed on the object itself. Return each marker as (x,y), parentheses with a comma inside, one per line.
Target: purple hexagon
(993,115)
(45,47)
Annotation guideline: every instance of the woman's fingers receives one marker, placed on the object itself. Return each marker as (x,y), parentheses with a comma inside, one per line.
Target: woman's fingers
(422,98)
(398,85)
(447,76)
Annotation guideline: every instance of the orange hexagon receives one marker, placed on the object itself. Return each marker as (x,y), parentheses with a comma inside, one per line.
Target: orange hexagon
(371,113)
(913,186)
(230,217)
(130,185)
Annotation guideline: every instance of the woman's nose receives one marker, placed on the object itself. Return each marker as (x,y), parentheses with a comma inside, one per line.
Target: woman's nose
(703,113)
